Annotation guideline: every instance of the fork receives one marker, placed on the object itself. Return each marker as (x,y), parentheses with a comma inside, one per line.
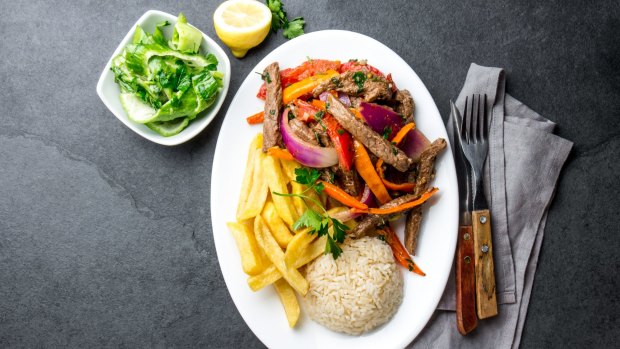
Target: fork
(474,134)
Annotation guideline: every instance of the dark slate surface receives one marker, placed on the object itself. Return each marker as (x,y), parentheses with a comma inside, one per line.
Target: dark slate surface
(105,238)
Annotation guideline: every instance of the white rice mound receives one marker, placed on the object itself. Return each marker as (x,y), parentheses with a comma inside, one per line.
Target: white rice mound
(357,292)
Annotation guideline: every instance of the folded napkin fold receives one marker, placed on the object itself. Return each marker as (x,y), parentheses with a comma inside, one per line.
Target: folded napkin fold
(522,168)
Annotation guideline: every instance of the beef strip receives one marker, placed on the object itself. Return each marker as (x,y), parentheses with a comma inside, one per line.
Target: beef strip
(373,141)
(273,107)
(320,134)
(373,87)
(425,171)
(349,180)
(303,131)
(405,106)
(367,226)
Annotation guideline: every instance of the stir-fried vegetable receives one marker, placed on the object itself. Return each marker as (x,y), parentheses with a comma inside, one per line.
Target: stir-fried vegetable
(166,84)
(364,167)
(318,104)
(307,154)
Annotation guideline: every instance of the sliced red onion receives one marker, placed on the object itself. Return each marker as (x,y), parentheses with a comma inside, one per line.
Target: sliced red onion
(307,154)
(414,144)
(381,119)
(344,99)
(368,198)
(323,96)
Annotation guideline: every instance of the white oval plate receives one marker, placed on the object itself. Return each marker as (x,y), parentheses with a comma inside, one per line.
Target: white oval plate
(262,310)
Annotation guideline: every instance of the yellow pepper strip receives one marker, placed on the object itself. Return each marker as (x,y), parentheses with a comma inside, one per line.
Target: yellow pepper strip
(305,86)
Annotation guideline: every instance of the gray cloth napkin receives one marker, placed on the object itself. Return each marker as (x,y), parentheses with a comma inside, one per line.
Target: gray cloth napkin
(521,172)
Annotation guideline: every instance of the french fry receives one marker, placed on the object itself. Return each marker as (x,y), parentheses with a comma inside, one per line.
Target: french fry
(296,246)
(253,196)
(289,167)
(271,274)
(251,261)
(277,182)
(289,301)
(268,243)
(278,228)
(298,202)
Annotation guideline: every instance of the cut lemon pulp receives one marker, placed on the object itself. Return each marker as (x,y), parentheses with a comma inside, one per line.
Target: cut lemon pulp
(242,24)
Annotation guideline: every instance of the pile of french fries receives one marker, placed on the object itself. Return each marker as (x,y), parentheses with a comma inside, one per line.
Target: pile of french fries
(271,251)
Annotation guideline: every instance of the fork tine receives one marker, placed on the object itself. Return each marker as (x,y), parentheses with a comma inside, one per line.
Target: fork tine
(475,118)
(484,130)
(464,128)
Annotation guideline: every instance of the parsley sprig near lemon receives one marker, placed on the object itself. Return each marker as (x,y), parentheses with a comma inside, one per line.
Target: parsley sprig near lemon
(243,24)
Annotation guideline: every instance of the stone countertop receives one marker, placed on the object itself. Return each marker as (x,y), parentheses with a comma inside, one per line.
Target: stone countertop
(105,237)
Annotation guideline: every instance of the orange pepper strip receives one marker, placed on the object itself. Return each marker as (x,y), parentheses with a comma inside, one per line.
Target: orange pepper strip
(280,153)
(342,196)
(305,86)
(364,167)
(357,113)
(257,118)
(401,208)
(397,139)
(400,253)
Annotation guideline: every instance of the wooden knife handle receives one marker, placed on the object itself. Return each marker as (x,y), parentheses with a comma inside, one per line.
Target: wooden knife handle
(466,320)
(486,300)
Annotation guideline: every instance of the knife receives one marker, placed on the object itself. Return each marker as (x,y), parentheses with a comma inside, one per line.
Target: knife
(466,319)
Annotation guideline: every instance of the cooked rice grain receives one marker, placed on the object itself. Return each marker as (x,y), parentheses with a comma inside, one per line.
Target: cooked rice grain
(359,291)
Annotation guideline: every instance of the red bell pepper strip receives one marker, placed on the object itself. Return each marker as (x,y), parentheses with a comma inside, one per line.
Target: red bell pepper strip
(343,141)
(305,111)
(357,66)
(309,68)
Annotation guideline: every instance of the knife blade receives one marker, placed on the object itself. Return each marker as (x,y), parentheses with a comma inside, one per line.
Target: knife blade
(466,319)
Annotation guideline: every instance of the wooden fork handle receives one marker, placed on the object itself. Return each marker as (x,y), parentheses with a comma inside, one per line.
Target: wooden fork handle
(486,301)
(466,319)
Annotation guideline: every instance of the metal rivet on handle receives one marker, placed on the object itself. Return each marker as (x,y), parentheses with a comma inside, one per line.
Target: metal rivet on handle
(466,236)
(483,219)
(467,259)
(485,248)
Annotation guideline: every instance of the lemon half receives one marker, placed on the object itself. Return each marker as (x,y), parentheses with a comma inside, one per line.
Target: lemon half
(242,24)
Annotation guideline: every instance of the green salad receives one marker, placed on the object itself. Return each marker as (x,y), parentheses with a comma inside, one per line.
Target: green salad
(165,84)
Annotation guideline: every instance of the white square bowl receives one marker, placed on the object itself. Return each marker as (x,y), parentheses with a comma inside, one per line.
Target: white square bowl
(109,91)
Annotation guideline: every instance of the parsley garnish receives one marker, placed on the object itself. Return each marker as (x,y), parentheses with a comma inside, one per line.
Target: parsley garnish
(279,20)
(359,78)
(387,131)
(394,151)
(340,131)
(327,106)
(319,114)
(318,222)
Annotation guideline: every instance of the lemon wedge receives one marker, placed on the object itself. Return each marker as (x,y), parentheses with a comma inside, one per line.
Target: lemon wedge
(242,24)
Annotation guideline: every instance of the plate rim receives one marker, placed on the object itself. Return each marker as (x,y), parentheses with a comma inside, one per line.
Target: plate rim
(451,178)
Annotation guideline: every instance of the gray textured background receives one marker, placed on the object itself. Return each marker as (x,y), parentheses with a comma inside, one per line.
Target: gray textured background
(105,238)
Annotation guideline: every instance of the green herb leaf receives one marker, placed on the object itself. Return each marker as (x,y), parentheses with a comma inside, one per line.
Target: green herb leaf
(294,28)
(332,247)
(310,219)
(306,176)
(279,20)
(359,78)
(387,131)
(339,230)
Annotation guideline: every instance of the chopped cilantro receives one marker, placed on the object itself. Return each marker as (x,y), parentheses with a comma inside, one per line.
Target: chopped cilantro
(359,78)
(340,131)
(387,131)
